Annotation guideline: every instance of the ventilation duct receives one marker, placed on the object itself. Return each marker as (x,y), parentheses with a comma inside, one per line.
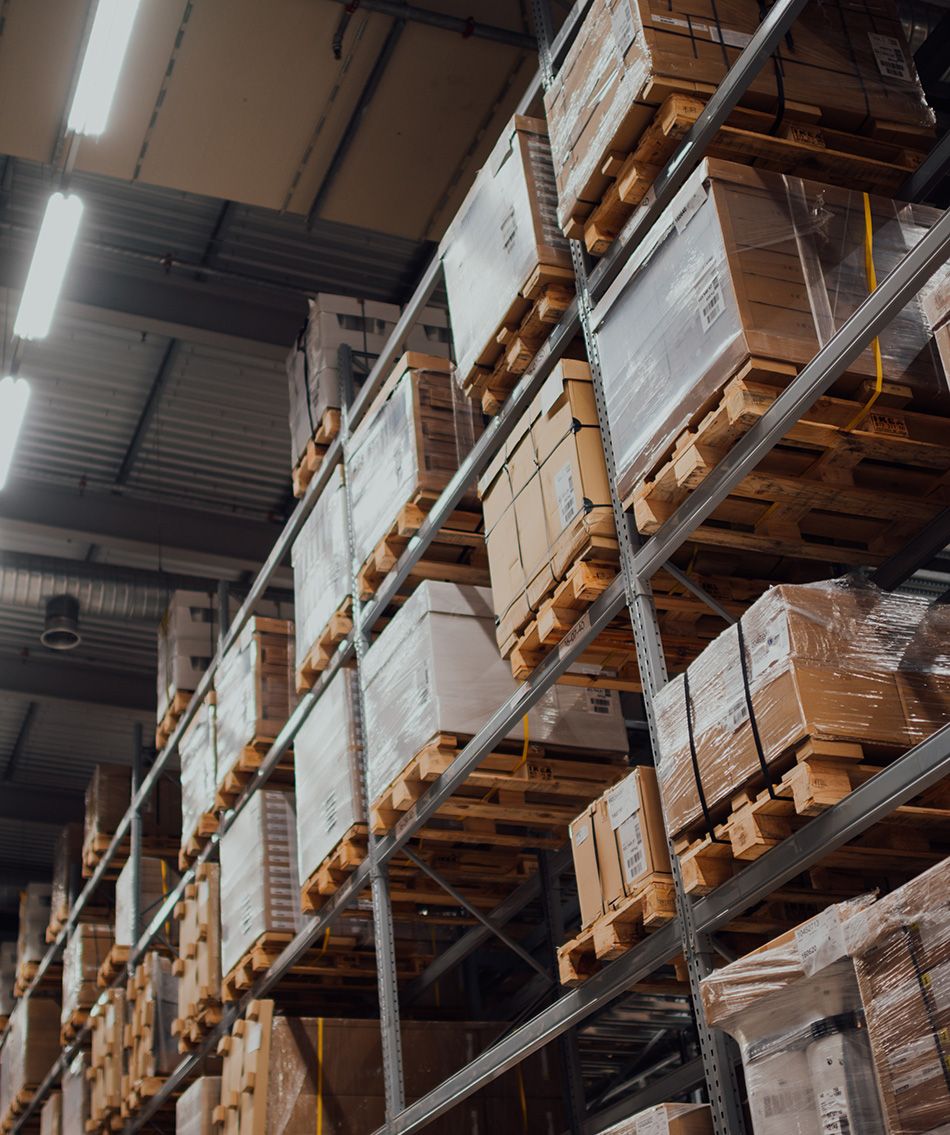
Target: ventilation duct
(61,631)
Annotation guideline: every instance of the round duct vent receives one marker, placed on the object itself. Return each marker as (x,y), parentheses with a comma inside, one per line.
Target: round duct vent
(62,623)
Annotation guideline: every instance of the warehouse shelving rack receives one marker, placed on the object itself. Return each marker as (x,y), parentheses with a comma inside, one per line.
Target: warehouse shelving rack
(690,933)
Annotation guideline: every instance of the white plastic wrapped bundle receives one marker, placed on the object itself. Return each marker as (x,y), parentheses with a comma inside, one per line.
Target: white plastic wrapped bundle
(327,774)
(187,641)
(198,754)
(7,977)
(436,669)
(260,888)
(156,879)
(51,1114)
(195,1106)
(744,264)
(35,901)
(31,1047)
(75,1084)
(840,661)
(506,226)
(86,949)
(321,565)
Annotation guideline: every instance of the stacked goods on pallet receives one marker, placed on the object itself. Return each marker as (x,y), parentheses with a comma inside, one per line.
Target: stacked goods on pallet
(67,877)
(841,101)
(107,1061)
(76,1094)
(935,299)
(403,454)
(107,800)
(31,1047)
(198,965)
(331,808)
(260,891)
(624,879)
(295,1076)
(746,275)
(51,1114)
(31,935)
(152,1053)
(431,680)
(156,879)
(842,1022)
(198,755)
(791,708)
(322,575)
(255,690)
(195,1106)
(507,267)
(187,641)
(7,980)
(86,949)
(667,1119)
(313,374)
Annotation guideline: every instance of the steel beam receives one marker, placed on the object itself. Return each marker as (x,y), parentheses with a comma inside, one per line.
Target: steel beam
(916,553)
(675,1083)
(74,680)
(466,27)
(148,411)
(19,744)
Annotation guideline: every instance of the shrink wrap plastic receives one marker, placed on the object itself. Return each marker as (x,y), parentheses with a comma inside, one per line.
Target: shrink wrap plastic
(839,661)
(848,59)
(414,437)
(34,918)
(260,888)
(194,1107)
(156,879)
(86,949)
(75,1101)
(935,298)
(7,977)
(31,1047)
(51,1114)
(321,563)
(667,1119)
(198,754)
(67,870)
(745,264)
(187,641)
(327,774)
(436,669)
(506,226)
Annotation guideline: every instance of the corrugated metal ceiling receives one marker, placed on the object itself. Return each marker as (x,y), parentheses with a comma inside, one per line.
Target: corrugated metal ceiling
(114,644)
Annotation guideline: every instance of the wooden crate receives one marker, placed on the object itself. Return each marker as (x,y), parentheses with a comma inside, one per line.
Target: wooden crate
(198,965)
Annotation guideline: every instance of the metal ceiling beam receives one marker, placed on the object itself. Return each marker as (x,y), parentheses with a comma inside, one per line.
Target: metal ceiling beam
(23,734)
(39,806)
(74,680)
(464,26)
(148,411)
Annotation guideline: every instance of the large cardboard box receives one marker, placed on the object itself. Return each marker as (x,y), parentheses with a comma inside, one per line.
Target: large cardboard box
(153,1002)
(743,265)
(51,1114)
(935,298)
(667,1119)
(156,881)
(505,228)
(849,63)
(546,498)
(87,948)
(436,669)
(195,1106)
(820,660)
(75,1097)
(198,756)
(67,873)
(31,1047)
(187,641)
(35,901)
(108,794)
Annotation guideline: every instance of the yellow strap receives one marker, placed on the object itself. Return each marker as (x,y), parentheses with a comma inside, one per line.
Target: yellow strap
(325,943)
(524,756)
(876,342)
(522,1099)
(319,1075)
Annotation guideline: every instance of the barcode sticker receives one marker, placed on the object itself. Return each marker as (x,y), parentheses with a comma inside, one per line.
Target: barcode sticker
(711,301)
(833,1111)
(653,1122)
(889,54)
(566,494)
(820,941)
(736,715)
(632,851)
(789,1099)
(598,701)
(690,208)
(623,800)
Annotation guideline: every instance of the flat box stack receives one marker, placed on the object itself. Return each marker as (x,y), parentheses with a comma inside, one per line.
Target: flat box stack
(198,965)
(75,1096)
(187,641)
(195,1107)
(507,267)
(51,1114)
(87,948)
(156,880)
(107,800)
(31,1047)
(67,879)
(198,756)
(152,1053)
(841,101)
(31,933)
(107,1060)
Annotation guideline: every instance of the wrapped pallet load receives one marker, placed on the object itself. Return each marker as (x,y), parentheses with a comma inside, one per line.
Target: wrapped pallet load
(7,979)
(198,756)
(843,68)
(75,1099)
(35,901)
(67,874)
(32,1045)
(667,1119)
(198,965)
(935,298)
(107,799)
(195,1106)
(86,949)
(507,266)
(51,1114)
(153,1052)
(187,641)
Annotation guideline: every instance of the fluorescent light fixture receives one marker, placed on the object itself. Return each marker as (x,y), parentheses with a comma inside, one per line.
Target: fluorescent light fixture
(54,246)
(101,65)
(14,395)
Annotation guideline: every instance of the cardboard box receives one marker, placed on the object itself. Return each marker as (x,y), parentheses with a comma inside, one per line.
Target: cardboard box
(198,757)
(153,1004)
(35,901)
(75,1099)
(850,63)
(935,298)
(86,949)
(156,881)
(504,229)
(31,1047)
(195,1106)
(51,1114)
(107,799)
(746,264)
(546,498)
(187,641)
(667,1119)
(108,1056)
(67,873)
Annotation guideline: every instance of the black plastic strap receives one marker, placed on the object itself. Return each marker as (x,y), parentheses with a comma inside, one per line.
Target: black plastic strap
(697,777)
(302,349)
(756,736)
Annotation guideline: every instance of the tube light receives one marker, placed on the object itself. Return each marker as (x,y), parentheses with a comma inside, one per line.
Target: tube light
(14,395)
(54,246)
(101,66)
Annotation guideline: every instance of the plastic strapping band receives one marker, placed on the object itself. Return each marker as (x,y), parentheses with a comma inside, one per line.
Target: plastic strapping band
(756,737)
(319,1075)
(695,760)
(777,68)
(926,993)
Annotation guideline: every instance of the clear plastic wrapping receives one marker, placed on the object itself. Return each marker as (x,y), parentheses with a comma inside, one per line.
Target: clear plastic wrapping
(51,1114)
(321,563)
(935,298)
(34,918)
(75,1097)
(436,669)
(327,774)
(187,641)
(86,949)
(255,688)
(7,977)
(412,440)
(667,1119)
(31,1047)
(506,226)
(195,1106)
(748,264)
(260,888)
(840,661)
(156,880)
(848,59)
(67,872)
(153,1001)
(198,755)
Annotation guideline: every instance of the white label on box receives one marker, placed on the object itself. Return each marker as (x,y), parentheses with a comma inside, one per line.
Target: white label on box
(623,801)
(833,1112)
(580,832)
(735,715)
(735,39)
(580,628)
(632,851)
(551,391)
(774,650)
(599,701)
(889,55)
(711,301)
(689,210)
(621,26)
(820,941)
(653,1122)
(566,494)
(910,1081)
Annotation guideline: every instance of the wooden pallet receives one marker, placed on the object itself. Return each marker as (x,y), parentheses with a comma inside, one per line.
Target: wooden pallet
(317,658)
(456,555)
(244,770)
(545,296)
(114,965)
(71,1028)
(309,464)
(192,1031)
(26,973)
(208,824)
(822,774)
(103,914)
(198,965)
(176,707)
(348,854)
(17,1106)
(799,147)
(825,492)
(617,930)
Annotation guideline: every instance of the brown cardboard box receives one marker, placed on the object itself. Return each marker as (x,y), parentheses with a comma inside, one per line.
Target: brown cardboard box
(107,800)
(31,1047)
(546,498)
(935,299)
(586,866)
(195,1106)
(67,873)
(668,1119)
